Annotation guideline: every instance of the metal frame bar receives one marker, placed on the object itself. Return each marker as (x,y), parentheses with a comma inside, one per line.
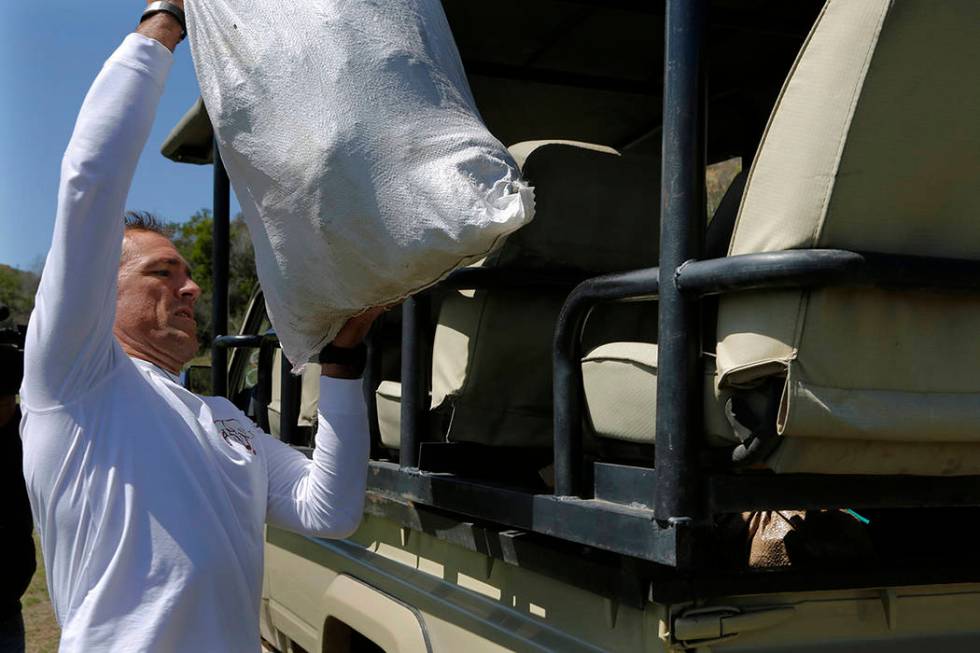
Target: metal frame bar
(220,245)
(733,493)
(413,407)
(681,233)
(266,343)
(729,493)
(372,379)
(415,315)
(289,397)
(630,579)
(242,341)
(619,528)
(594,570)
(567,382)
(811,268)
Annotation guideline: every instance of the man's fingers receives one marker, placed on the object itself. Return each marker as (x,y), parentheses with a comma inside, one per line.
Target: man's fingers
(356,328)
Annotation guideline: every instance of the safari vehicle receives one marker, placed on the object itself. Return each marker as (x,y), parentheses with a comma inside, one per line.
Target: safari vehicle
(584,442)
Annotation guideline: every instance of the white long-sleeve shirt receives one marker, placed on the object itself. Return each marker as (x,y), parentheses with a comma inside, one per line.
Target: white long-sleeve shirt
(149,500)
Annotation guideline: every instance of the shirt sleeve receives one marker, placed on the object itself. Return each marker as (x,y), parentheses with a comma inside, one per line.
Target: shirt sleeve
(70,345)
(323,497)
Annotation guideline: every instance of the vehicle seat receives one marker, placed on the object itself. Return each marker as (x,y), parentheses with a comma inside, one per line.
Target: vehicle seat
(596,213)
(620,378)
(873,145)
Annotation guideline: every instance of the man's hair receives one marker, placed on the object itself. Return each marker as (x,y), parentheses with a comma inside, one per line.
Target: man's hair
(142,221)
(145,221)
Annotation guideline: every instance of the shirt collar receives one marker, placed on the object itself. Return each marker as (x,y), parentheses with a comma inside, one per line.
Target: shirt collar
(155,369)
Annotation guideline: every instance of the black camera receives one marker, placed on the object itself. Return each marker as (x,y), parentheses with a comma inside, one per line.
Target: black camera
(11,355)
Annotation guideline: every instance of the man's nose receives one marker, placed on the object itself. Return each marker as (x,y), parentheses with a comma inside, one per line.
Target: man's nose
(190,289)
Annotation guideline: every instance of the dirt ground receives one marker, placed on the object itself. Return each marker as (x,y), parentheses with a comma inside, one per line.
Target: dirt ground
(42,630)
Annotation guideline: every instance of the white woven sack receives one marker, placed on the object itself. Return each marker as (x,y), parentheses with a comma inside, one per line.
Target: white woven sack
(356,151)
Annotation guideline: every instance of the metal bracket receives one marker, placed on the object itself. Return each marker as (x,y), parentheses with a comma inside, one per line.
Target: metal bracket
(711,625)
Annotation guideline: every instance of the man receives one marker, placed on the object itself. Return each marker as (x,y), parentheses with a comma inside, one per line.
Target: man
(16,541)
(150,501)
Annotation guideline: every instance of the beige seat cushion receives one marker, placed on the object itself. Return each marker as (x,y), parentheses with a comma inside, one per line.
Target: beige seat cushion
(389,401)
(620,382)
(596,213)
(874,145)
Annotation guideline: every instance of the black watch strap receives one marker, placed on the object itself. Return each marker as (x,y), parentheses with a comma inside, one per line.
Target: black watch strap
(168,7)
(352,357)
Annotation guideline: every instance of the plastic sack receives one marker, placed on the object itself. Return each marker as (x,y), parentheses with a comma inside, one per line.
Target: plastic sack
(355,148)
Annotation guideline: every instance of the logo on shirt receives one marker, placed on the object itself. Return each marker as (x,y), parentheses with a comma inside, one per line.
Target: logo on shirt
(234,433)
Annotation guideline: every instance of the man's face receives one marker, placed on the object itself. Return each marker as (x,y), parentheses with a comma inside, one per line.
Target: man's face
(155,302)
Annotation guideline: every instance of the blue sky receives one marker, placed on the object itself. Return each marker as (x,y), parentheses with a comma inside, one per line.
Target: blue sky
(50,51)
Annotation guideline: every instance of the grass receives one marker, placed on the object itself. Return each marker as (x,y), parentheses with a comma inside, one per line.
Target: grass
(42,629)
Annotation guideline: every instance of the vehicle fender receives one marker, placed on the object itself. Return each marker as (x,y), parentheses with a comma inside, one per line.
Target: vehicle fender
(392,625)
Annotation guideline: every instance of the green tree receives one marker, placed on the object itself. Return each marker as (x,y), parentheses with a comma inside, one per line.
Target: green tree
(17,289)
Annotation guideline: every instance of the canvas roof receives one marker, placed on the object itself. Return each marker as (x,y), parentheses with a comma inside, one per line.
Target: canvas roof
(593,71)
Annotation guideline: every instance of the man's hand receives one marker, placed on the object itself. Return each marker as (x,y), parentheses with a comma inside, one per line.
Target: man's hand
(351,335)
(356,329)
(162,27)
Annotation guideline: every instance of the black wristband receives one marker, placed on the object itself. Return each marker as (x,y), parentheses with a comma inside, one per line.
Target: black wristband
(167,7)
(353,357)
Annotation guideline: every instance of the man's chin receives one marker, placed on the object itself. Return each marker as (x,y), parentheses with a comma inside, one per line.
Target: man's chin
(182,346)
(191,347)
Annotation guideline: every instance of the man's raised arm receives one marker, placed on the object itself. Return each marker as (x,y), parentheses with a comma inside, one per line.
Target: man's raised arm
(70,345)
(325,496)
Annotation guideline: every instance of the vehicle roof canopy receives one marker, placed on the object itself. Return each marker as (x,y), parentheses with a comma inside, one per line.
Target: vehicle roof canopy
(593,71)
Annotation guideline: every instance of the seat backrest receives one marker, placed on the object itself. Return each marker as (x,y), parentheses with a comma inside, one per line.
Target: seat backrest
(873,145)
(596,212)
